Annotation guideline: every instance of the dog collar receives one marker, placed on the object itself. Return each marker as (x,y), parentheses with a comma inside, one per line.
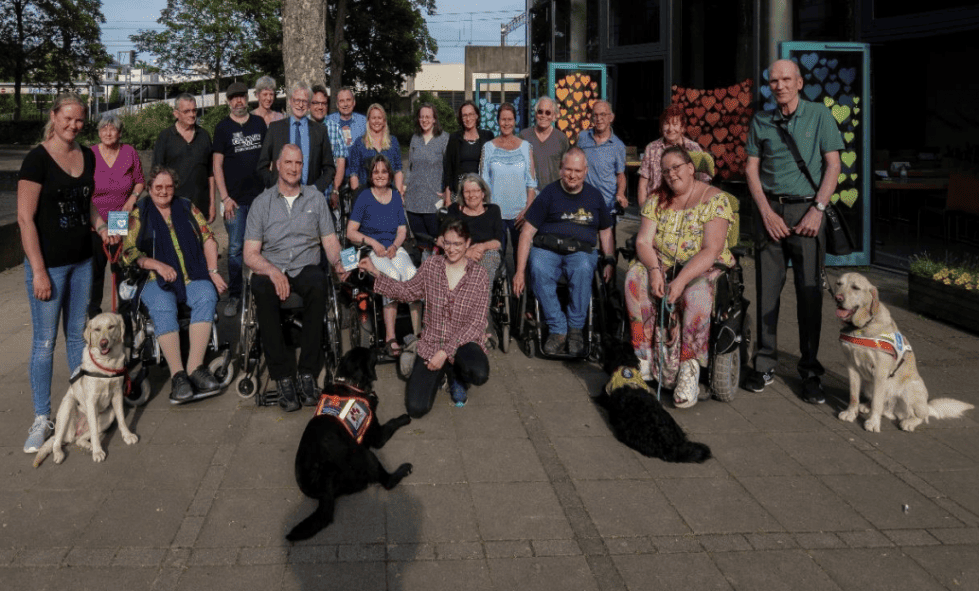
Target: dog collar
(625,377)
(114,372)
(353,412)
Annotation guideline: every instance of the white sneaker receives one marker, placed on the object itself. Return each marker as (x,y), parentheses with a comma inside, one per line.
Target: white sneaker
(38,434)
(686,391)
(646,370)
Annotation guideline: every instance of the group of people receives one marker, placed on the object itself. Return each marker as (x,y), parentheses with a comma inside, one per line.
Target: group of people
(277,178)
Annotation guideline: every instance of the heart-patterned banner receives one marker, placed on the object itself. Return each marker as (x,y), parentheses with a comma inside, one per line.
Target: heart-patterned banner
(576,92)
(718,120)
(488,114)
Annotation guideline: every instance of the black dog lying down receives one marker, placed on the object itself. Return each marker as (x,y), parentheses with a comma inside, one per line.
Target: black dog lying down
(637,418)
(334,458)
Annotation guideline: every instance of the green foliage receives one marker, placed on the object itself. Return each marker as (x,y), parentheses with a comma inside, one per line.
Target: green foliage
(142,128)
(114,98)
(402,127)
(443,110)
(950,270)
(212,117)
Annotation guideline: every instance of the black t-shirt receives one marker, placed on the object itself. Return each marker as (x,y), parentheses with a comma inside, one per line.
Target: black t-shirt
(63,208)
(191,161)
(482,228)
(241,146)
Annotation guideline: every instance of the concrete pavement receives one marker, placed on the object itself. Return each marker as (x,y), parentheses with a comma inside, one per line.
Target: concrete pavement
(524,488)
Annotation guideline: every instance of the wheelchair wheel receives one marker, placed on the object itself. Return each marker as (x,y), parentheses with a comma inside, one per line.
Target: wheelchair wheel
(361,332)
(725,375)
(501,310)
(139,393)
(245,386)
(222,373)
(332,339)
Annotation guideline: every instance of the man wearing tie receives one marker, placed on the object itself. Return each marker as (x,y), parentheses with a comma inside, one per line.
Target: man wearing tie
(318,165)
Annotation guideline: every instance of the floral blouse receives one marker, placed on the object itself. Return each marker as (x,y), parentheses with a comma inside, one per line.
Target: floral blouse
(680,234)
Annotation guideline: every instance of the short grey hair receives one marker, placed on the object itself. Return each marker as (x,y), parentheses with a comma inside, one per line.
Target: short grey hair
(185,96)
(266,83)
(111,119)
(471,177)
(300,86)
(545,98)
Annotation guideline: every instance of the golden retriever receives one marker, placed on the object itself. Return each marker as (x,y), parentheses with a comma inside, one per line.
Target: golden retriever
(85,413)
(879,359)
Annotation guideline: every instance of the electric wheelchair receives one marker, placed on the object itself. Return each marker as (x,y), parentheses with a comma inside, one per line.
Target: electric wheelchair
(254,379)
(144,346)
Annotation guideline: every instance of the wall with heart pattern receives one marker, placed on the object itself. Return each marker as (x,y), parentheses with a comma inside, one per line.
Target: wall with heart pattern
(718,120)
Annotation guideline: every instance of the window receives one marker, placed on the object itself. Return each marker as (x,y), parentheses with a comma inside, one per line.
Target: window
(633,22)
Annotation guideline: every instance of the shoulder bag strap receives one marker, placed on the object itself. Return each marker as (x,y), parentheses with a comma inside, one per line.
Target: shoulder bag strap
(790,142)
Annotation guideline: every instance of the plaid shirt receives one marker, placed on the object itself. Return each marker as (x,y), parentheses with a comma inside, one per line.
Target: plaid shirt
(452,317)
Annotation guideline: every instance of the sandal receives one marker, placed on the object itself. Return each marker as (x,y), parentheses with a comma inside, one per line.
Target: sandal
(392,348)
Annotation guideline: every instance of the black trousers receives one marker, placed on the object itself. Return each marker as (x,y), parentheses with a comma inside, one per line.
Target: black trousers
(310,284)
(99,262)
(771,263)
(471,367)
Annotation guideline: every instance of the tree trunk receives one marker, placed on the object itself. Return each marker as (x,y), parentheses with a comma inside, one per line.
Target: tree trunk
(338,52)
(304,41)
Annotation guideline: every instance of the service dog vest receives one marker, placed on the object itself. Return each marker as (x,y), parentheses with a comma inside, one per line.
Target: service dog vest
(892,343)
(353,412)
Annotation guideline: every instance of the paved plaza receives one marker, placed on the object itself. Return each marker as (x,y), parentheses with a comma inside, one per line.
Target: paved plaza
(523,489)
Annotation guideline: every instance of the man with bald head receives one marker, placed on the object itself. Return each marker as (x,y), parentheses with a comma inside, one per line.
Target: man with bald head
(792,169)
(286,226)
(547,144)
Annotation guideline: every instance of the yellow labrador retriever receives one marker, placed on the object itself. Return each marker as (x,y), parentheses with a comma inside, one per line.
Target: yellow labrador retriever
(94,397)
(879,358)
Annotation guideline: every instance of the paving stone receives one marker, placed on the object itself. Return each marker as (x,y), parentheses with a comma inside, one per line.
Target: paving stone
(213,557)
(874,568)
(201,504)
(276,470)
(592,546)
(959,486)
(21,511)
(530,508)
(189,531)
(433,461)
(638,545)
(955,567)
(776,541)
(262,517)
(438,575)
(151,517)
(597,458)
(168,467)
(409,552)
(140,556)
(176,558)
(918,453)
(775,415)
(574,420)
(543,573)
(361,552)
(911,537)
(192,427)
(41,557)
(7,555)
(662,571)
(782,569)
(880,498)
(629,508)
(259,556)
(956,535)
(819,540)
(803,503)
(865,539)
(823,452)
(556,548)
(752,454)
(427,513)
(731,510)
(714,417)
(724,543)
(501,460)
(313,554)
(459,551)
(488,423)
(230,578)
(508,549)
(676,544)
(89,557)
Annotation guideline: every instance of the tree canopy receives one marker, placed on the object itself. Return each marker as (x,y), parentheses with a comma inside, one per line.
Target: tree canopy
(54,42)
(210,37)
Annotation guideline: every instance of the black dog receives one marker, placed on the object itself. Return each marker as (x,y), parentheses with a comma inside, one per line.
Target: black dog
(637,418)
(334,458)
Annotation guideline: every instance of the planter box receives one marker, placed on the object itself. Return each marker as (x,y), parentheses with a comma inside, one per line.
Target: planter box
(946,302)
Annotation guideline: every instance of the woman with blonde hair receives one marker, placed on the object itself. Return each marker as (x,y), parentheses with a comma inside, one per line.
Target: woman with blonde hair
(54,203)
(377,140)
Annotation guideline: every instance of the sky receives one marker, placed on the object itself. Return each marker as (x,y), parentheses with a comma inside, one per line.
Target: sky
(456,24)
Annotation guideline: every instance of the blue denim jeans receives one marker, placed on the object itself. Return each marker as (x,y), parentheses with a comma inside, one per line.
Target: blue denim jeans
(202,298)
(236,242)
(71,287)
(546,268)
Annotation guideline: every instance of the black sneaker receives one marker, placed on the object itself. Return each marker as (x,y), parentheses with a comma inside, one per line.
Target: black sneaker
(180,388)
(576,342)
(204,381)
(555,344)
(308,392)
(288,398)
(812,390)
(756,380)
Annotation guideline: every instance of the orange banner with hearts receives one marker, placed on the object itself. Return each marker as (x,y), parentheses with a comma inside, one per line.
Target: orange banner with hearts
(718,120)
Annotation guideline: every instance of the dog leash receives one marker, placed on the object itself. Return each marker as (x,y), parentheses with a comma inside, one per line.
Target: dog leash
(113,259)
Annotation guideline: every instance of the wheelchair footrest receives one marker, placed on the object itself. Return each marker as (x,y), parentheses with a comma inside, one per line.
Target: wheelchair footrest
(267,398)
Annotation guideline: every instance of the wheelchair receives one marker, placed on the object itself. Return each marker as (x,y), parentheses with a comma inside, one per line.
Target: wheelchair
(533,331)
(730,328)
(253,380)
(144,346)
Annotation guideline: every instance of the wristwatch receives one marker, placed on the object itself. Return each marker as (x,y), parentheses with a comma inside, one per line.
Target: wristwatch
(820,206)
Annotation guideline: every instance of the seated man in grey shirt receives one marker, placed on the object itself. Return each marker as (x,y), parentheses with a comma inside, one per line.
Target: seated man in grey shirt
(286,226)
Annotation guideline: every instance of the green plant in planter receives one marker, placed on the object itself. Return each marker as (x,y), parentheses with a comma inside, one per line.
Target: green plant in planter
(961,273)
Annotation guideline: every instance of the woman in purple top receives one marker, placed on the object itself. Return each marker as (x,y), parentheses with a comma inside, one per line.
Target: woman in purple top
(118,184)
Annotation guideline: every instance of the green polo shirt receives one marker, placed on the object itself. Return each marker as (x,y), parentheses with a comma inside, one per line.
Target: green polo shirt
(815,132)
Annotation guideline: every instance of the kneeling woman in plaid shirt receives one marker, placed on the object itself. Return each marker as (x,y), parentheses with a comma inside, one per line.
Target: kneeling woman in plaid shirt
(456,294)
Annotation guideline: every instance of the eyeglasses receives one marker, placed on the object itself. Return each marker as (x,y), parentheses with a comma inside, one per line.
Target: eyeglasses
(543,112)
(449,244)
(469,115)
(318,103)
(670,170)
(300,102)
(603,114)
